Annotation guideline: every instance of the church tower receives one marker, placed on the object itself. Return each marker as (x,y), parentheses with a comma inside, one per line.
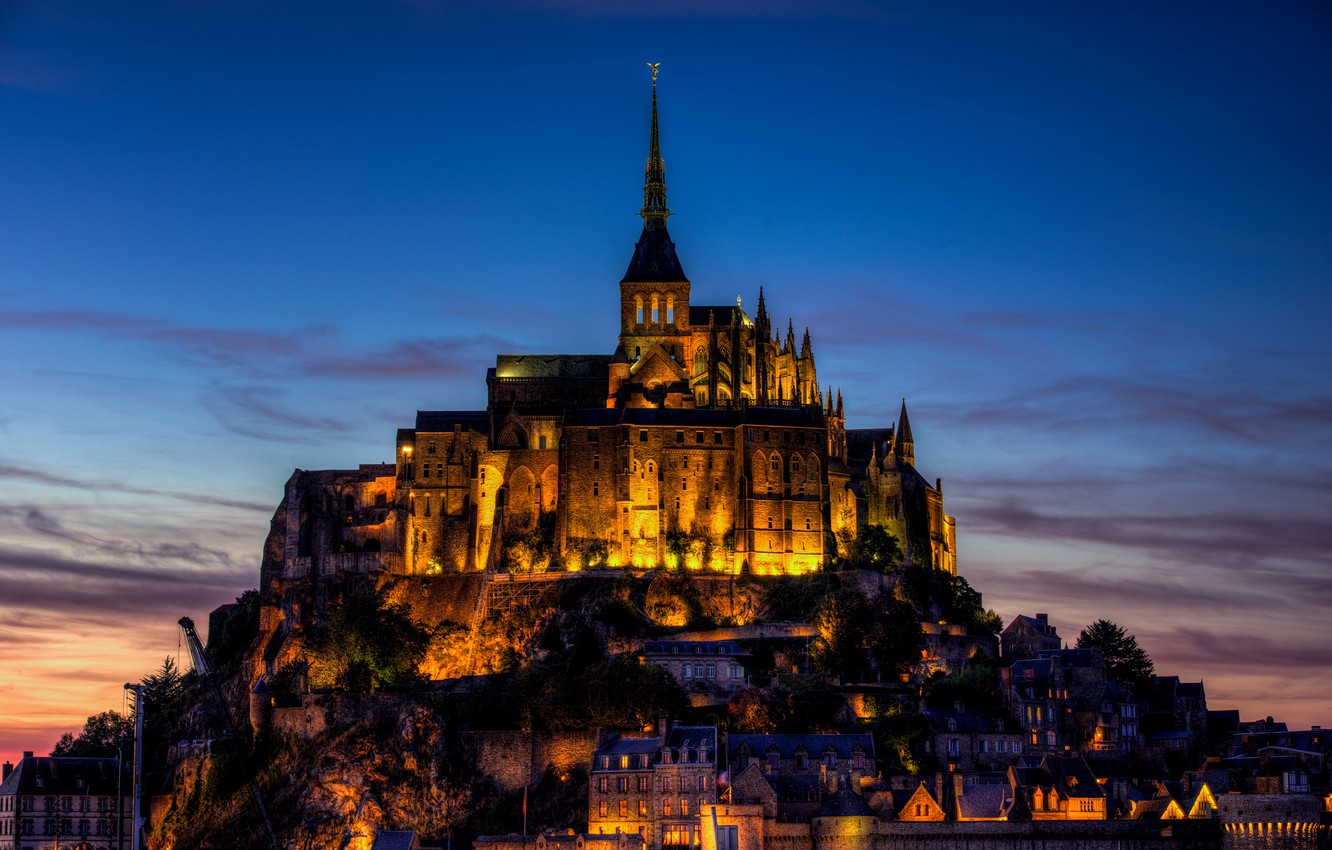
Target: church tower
(654,296)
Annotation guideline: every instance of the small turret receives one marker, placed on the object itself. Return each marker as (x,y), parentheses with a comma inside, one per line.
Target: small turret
(261,706)
(906,447)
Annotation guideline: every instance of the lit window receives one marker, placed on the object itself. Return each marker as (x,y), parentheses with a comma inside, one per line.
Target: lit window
(638,308)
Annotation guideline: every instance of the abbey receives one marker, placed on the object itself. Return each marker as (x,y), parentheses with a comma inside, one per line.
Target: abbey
(702,441)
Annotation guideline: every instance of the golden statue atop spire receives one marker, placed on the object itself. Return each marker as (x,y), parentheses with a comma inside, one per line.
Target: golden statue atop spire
(654,66)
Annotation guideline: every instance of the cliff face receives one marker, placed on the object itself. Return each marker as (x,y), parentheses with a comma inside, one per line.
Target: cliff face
(392,767)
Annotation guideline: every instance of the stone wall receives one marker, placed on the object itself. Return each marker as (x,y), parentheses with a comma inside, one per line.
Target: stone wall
(514,760)
(1049,835)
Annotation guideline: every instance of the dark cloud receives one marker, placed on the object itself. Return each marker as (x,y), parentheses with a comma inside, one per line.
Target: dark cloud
(1200,538)
(44,525)
(317,351)
(1190,648)
(73,590)
(12,471)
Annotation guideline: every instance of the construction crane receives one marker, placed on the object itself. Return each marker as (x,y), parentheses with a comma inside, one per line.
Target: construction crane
(205,671)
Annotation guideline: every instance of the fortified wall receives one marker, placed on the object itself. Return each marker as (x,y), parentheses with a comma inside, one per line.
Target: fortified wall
(517,760)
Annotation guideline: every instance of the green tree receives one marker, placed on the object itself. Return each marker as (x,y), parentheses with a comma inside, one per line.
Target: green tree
(839,628)
(761,711)
(1125,662)
(101,737)
(893,634)
(368,644)
(874,549)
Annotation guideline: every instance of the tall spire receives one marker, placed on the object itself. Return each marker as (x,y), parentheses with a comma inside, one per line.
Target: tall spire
(906,446)
(654,174)
(654,260)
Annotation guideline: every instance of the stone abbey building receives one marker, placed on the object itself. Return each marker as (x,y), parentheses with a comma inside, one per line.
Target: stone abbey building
(702,440)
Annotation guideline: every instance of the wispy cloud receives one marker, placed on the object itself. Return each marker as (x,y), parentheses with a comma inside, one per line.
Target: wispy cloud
(21,473)
(316,351)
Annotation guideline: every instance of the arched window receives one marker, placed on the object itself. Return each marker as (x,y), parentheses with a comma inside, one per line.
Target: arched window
(655,308)
(670,309)
(700,362)
(350,504)
(776,463)
(638,308)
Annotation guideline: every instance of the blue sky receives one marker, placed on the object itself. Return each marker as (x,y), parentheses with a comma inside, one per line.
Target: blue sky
(1090,246)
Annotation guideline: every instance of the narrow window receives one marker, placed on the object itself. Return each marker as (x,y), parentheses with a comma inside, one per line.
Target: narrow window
(541,441)
(670,309)
(642,436)
(655,318)
(596,461)
(679,436)
(638,308)
(596,489)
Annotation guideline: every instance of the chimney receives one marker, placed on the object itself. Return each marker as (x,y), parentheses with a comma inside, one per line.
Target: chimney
(27,754)
(1044,618)
(6,769)
(663,727)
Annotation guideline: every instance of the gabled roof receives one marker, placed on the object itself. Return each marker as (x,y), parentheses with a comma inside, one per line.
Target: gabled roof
(395,839)
(984,802)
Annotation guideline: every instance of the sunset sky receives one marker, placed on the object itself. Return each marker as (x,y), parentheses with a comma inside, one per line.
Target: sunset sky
(1090,244)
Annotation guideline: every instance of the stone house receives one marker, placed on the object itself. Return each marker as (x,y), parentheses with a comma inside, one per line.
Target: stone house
(1058,787)
(59,802)
(1026,636)
(710,671)
(968,741)
(653,787)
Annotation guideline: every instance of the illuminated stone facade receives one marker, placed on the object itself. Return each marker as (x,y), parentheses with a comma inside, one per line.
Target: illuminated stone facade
(703,441)
(654,787)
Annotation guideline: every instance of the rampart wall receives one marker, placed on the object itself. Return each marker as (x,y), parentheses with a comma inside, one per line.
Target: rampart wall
(514,760)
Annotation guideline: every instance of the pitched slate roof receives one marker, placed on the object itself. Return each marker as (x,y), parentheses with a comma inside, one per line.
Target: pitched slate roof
(987,802)
(395,839)
(845,804)
(682,648)
(814,745)
(654,260)
(551,366)
(439,421)
(59,776)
